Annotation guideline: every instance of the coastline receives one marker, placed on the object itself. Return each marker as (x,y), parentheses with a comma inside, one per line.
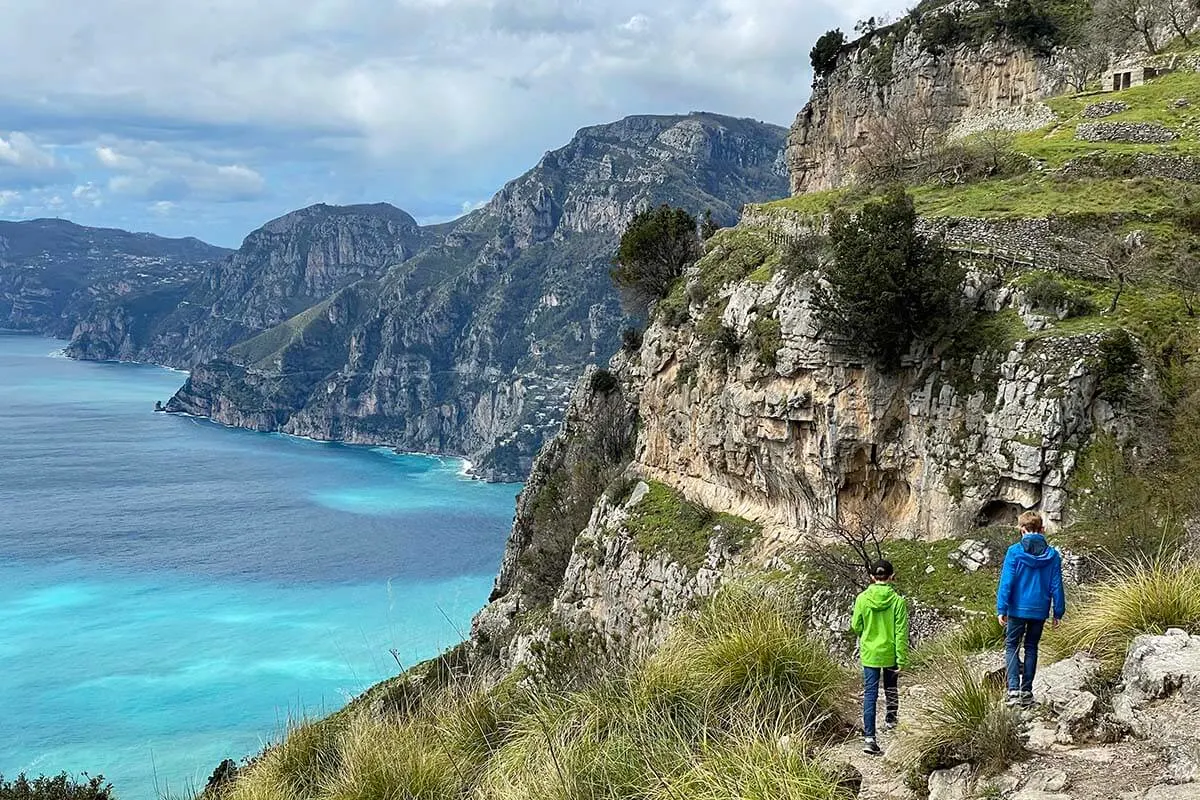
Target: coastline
(465,470)
(465,465)
(274,597)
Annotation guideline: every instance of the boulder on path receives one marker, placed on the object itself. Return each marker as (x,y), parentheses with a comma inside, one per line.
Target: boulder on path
(1159,666)
(1063,687)
(951,784)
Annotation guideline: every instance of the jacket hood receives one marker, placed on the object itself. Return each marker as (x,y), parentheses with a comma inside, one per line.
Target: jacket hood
(879,596)
(1035,550)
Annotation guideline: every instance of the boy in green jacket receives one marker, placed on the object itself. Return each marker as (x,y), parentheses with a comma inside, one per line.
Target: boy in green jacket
(881,621)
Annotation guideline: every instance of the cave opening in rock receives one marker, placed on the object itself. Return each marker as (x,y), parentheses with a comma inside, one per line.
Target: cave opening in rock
(998,512)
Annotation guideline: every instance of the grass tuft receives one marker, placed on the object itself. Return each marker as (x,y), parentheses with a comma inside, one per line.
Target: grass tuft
(755,769)
(965,721)
(1139,596)
(976,635)
(746,656)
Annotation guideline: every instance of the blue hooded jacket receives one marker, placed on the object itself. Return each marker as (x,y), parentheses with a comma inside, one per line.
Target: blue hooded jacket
(1031,579)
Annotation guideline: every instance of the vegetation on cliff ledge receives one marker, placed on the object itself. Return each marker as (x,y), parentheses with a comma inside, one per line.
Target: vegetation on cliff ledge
(666,523)
(886,284)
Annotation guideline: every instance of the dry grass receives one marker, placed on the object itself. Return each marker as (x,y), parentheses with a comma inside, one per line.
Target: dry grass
(700,718)
(964,721)
(1139,596)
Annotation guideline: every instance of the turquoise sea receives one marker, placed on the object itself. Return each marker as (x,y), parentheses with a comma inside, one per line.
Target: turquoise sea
(173,592)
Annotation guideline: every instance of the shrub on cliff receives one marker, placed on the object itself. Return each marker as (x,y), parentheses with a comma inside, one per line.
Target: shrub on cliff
(887,285)
(603,381)
(1040,25)
(631,340)
(59,787)
(655,249)
(824,54)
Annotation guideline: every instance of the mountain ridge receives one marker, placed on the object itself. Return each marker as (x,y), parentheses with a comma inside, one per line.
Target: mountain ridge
(54,271)
(355,323)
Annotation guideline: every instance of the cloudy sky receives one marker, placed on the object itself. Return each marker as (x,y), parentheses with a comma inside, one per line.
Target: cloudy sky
(209,117)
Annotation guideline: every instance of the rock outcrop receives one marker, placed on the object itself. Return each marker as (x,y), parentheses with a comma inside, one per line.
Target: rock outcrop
(889,75)
(282,269)
(746,407)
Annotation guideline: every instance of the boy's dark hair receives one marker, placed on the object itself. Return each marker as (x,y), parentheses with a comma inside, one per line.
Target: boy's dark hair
(882,570)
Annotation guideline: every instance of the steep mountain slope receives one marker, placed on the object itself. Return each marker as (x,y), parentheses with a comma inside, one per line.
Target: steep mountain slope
(281,269)
(52,271)
(467,342)
(744,447)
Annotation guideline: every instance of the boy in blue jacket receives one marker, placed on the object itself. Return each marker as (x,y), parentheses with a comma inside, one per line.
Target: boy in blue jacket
(1030,582)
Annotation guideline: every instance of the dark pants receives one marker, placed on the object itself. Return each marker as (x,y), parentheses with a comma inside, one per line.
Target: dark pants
(891,694)
(1020,676)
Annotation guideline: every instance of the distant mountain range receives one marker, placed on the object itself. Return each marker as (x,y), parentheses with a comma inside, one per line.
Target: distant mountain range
(357,324)
(52,272)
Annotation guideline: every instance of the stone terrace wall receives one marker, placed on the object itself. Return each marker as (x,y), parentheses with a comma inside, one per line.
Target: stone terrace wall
(1148,165)
(1033,243)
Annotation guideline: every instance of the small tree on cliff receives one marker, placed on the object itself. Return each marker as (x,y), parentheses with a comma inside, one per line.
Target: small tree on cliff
(825,52)
(656,248)
(887,285)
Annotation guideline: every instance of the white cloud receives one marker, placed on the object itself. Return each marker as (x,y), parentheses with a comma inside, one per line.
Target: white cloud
(162,208)
(426,103)
(110,158)
(450,76)
(636,24)
(88,194)
(26,163)
(154,171)
(19,150)
(8,197)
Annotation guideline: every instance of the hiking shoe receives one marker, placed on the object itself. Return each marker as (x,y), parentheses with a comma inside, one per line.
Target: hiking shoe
(1026,699)
(1014,699)
(871,747)
(890,722)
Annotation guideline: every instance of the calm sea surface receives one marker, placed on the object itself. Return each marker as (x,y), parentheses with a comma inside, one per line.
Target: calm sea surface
(172,592)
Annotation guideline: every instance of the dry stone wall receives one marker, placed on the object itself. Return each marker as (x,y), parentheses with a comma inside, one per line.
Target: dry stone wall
(1038,243)
(1131,132)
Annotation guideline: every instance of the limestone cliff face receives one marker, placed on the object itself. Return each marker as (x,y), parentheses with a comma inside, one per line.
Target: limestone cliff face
(941,445)
(966,89)
(469,346)
(794,434)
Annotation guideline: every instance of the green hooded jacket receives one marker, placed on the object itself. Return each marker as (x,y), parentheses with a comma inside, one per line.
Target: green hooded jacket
(881,622)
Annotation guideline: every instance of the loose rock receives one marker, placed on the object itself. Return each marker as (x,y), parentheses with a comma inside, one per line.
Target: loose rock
(950,784)
(972,555)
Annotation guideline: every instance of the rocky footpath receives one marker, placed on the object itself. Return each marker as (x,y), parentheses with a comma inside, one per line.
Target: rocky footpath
(463,338)
(1140,743)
